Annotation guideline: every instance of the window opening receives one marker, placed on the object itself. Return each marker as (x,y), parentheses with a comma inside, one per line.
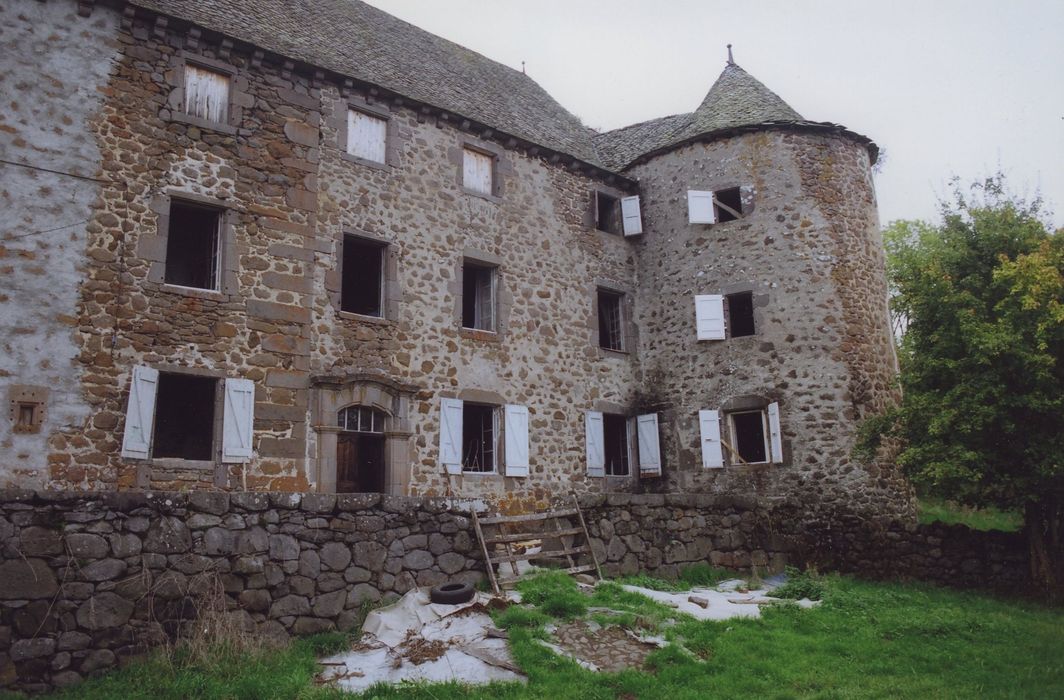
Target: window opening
(728,204)
(362,284)
(748,429)
(615,437)
(610,317)
(740,314)
(192,246)
(367,136)
(478,297)
(206,94)
(25,417)
(184,417)
(477,171)
(607,213)
(478,437)
(360,419)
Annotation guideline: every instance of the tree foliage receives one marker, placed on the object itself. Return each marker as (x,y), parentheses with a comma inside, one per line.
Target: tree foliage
(980,298)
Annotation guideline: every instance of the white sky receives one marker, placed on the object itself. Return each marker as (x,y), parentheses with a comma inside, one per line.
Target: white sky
(945,87)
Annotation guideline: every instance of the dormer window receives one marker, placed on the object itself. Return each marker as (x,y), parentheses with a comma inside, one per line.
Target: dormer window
(206,94)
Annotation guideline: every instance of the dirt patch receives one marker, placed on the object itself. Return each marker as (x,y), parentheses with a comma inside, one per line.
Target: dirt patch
(418,651)
(609,648)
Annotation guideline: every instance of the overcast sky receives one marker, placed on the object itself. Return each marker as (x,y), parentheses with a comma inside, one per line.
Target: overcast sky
(957,87)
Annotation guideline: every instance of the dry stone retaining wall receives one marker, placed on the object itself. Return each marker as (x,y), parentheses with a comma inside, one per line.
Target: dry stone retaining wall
(87,579)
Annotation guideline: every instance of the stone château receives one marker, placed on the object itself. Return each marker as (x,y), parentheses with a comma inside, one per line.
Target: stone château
(291,246)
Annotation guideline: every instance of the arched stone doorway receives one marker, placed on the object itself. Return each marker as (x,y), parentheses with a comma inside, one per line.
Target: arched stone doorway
(363,434)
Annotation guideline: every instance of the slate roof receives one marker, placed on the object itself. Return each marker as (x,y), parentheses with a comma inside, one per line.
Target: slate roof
(737,102)
(362,42)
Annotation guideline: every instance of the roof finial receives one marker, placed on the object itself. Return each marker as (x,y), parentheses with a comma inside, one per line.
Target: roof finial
(731,61)
(522,67)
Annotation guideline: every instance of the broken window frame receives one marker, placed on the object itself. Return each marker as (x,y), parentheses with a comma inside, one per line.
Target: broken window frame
(347,284)
(729,210)
(484,303)
(740,322)
(490,439)
(607,212)
(173,238)
(611,320)
(736,456)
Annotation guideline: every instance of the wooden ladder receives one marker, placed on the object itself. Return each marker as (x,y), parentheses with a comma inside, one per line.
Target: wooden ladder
(506,537)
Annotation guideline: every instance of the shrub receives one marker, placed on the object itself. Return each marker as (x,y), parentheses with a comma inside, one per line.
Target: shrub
(800,584)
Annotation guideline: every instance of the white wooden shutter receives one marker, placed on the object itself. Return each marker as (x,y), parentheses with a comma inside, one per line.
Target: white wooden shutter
(366,135)
(238,420)
(709,317)
(206,94)
(596,444)
(485,304)
(515,432)
(140,413)
(649,447)
(775,438)
(631,216)
(709,430)
(700,207)
(477,171)
(451,435)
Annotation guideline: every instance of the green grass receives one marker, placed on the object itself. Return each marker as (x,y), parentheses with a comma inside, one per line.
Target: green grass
(934,510)
(693,576)
(866,640)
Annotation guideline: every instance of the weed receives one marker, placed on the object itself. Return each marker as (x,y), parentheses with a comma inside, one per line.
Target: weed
(554,594)
(800,584)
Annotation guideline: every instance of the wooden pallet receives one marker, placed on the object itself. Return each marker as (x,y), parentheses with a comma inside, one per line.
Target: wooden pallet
(551,526)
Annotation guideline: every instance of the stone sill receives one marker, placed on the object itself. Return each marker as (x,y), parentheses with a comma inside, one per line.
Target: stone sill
(195,292)
(183,464)
(364,318)
(477,334)
(483,195)
(357,160)
(613,354)
(182,118)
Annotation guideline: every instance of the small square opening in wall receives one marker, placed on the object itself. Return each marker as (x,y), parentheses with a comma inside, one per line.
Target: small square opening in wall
(740,314)
(478,171)
(479,436)
(750,435)
(611,320)
(478,297)
(362,284)
(607,213)
(192,245)
(184,417)
(615,439)
(206,94)
(367,136)
(728,204)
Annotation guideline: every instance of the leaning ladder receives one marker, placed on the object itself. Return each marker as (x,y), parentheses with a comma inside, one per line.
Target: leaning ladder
(508,538)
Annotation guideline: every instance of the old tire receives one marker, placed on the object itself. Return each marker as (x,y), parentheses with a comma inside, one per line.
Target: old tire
(452,593)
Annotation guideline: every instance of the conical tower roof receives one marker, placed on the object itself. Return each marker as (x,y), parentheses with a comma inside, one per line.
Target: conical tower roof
(739,99)
(737,102)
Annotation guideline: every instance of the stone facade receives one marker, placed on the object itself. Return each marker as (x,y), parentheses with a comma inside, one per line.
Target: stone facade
(88,579)
(279,169)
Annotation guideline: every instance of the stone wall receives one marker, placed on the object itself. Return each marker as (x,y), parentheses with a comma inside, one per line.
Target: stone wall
(87,579)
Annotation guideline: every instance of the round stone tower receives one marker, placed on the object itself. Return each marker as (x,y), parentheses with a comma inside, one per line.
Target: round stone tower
(764,332)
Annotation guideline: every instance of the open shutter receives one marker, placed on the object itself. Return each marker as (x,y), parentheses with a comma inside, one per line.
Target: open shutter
(709,429)
(775,439)
(700,207)
(649,447)
(238,420)
(451,435)
(515,432)
(631,216)
(140,413)
(485,306)
(596,444)
(709,317)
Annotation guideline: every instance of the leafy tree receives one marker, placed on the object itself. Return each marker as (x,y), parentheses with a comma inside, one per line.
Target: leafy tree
(980,298)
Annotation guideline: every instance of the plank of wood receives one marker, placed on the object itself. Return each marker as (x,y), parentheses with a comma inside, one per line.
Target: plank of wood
(487,558)
(512,558)
(587,536)
(558,529)
(527,536)
(497,519)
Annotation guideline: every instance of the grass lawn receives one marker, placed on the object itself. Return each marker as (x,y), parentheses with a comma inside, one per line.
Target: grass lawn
(867,640)
(934,510)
